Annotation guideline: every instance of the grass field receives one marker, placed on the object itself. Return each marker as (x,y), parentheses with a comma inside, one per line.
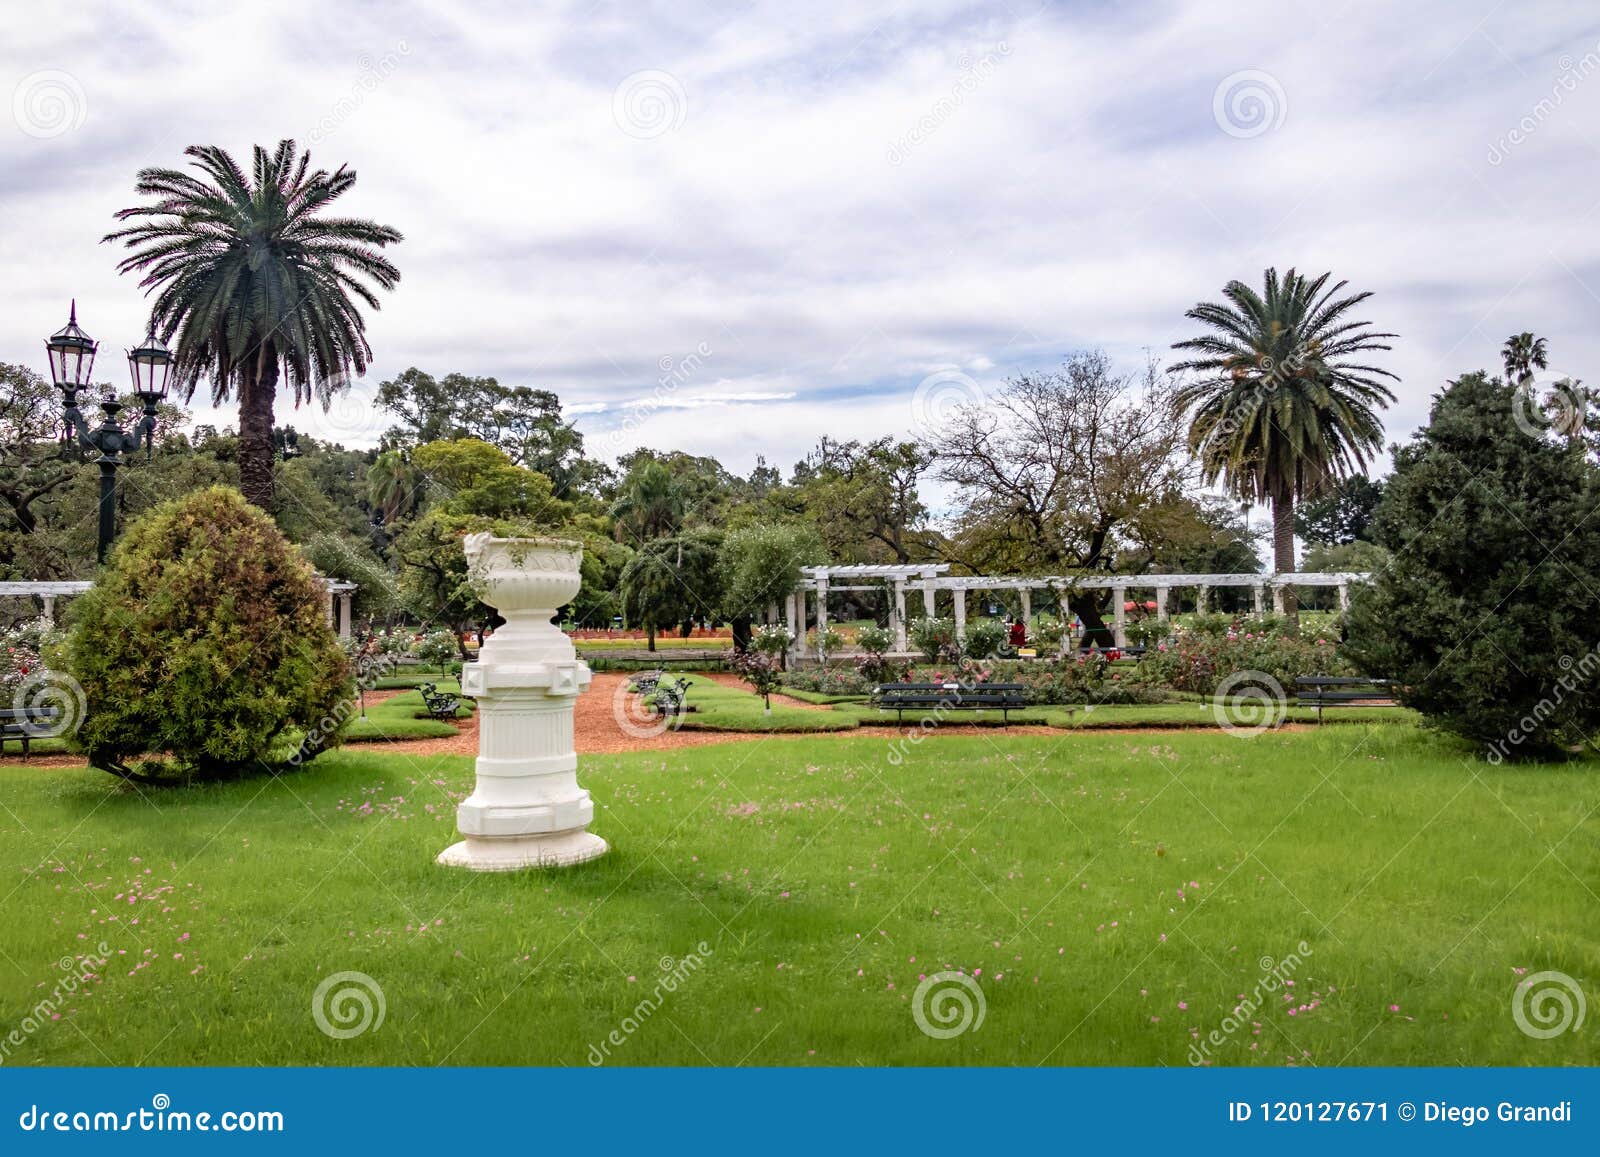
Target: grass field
(1112,895)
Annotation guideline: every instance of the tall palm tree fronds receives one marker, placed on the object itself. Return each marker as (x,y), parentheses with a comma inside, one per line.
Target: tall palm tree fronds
(252,279)
(1284,403)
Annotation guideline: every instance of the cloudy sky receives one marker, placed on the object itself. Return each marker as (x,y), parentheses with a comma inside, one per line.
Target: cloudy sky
(767,222)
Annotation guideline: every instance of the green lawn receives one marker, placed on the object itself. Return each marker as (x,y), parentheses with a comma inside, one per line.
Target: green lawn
(1118,892)
(406,717)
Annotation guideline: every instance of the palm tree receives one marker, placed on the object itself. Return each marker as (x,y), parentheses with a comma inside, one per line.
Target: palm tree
(1279,412)
(651,503)
(392,487)
(251,282)
(1523,353)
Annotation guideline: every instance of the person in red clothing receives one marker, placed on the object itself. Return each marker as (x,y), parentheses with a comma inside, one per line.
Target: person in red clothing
(1019,633)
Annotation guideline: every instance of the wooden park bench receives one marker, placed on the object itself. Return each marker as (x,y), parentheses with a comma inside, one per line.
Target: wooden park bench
(1322,691)
(902,697)
(26,724)
(439,705)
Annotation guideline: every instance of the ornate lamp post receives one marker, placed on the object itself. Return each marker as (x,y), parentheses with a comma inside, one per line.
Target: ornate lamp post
(71,362)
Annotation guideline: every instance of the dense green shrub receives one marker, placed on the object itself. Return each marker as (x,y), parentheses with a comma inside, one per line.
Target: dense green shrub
(1486,613)
(438,649)
(1197,660)
(206,636)
(984,638)
(843,680)
(934,637)
(875,640)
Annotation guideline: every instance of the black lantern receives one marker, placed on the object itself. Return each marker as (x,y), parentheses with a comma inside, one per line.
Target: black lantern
(71,355)
(71,362)
(150,365)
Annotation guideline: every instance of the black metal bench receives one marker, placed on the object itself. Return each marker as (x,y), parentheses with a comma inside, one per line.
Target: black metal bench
(668,696)
(1322,691)
(26,724)
(903,697)
(645,682)
(439,705)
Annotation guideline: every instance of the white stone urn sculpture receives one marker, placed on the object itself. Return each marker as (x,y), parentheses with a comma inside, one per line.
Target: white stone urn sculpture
(527,809)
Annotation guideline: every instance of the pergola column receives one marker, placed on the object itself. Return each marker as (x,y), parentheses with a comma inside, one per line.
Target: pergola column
(1119,599)
(1277,598)
(1344,596)
(822,605)
(1161,604)
(960,595)
(1027,606)
(1066,626)
(50,608)
(1202,596)
(897,616)
(345,601)
(792,606)
(799,624)
(1255,597)
(928,602)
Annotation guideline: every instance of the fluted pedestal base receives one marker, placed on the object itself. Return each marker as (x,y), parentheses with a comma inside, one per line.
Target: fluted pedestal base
(508,854)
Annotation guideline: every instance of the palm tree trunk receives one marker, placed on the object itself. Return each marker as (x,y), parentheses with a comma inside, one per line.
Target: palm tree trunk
(1283,553)
(256,391)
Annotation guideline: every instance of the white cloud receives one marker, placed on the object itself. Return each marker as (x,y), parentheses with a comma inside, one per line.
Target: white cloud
(1079,192)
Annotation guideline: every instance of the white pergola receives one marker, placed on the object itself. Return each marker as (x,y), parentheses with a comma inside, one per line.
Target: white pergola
(817,582)
(335,591)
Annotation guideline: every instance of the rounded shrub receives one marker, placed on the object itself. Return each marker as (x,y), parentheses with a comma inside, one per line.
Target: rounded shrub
(206,637)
